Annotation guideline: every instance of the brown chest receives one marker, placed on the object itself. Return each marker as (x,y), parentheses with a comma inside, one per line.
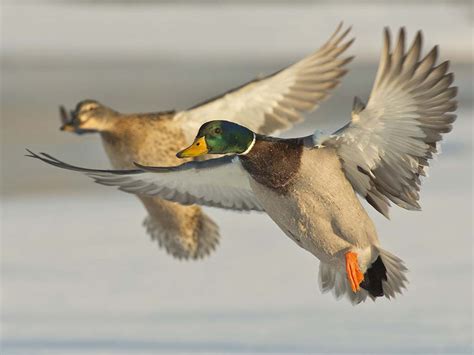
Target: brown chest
(145,140)
(274,164)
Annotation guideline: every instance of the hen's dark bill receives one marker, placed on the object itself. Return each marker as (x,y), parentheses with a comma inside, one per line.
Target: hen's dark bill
(70,123)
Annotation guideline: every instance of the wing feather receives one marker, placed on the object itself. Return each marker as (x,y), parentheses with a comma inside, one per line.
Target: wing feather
(388,143)
(220,182)
(276,102)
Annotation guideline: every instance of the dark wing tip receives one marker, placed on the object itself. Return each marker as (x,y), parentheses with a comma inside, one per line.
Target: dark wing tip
(63,114)
(335,39)
(454,92)
(48,159)
(32,154)
(435,52)
(402,32)
(454,105)
(45,158)
(345,33)
(348,60)
(358,105)
(444,66)
(387,40)
(419,38)
(349,43)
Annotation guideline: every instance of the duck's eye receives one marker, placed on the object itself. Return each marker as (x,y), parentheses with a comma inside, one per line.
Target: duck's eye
(217,131)
(88,108)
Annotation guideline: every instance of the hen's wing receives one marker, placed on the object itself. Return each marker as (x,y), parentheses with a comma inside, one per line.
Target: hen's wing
(275,103)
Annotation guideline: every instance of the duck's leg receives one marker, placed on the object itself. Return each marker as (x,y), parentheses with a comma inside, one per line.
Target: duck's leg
(354,275)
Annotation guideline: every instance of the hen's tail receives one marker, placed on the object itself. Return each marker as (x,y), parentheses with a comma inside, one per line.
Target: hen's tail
(185,232)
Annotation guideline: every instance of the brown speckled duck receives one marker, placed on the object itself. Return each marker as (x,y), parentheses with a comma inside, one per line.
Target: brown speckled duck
(266,105)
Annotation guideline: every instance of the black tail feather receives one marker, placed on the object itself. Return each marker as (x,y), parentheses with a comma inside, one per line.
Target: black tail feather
(373,278)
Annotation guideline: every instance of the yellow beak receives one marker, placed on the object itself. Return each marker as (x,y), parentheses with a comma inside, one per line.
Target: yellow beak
(199,147)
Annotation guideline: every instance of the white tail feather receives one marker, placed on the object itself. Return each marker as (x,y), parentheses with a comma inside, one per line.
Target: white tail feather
(332,279)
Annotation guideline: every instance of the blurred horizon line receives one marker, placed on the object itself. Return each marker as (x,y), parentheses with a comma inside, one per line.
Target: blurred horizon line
(22,59)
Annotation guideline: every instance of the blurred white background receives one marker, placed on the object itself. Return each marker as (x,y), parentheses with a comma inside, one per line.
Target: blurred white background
(79,274)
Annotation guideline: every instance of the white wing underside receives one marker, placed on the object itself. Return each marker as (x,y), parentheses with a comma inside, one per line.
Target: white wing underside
(386,146)
(220,182)
(276,102)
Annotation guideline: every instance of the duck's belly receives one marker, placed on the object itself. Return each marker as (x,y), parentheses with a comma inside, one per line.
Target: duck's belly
(320,211)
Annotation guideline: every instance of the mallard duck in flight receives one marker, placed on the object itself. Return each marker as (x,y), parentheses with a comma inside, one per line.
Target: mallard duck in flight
(266,105)
(308,185)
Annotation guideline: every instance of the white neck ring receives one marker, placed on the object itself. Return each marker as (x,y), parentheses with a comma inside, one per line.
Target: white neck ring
(250,146)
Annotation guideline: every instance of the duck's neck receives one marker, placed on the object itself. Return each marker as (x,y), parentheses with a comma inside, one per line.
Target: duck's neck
(273,162)
(262,145)
(250,146)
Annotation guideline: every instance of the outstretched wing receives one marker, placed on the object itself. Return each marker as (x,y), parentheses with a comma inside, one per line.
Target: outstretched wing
(276,102)
(220,182)
(386,146)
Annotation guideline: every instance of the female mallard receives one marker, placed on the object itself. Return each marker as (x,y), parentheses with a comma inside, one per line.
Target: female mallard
(307,185)
(265,105)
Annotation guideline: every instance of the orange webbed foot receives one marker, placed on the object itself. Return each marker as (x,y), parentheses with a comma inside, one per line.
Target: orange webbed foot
(354,275)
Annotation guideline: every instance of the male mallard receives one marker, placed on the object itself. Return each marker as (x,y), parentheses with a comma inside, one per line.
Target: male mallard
(308,185)
(265,105)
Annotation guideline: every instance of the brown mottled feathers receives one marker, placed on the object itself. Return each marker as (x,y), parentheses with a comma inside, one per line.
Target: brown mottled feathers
(185,232)
(274,103)
(150,138)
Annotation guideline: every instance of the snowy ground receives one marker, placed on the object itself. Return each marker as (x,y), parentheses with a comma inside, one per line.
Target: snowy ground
(79,275)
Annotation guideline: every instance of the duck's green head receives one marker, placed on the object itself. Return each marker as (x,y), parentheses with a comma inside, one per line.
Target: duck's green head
(220,137)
